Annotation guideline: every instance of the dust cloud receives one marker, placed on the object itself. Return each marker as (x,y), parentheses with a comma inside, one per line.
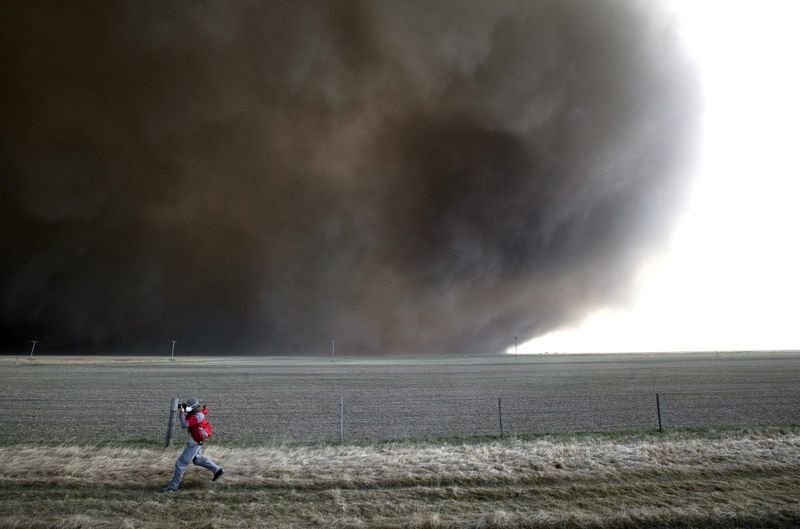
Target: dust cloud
(259,177)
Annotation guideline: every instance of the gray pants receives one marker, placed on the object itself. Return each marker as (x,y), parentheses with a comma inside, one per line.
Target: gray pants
(193,453)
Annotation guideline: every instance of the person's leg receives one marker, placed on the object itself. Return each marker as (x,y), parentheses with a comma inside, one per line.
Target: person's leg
(181,464)
(202,461)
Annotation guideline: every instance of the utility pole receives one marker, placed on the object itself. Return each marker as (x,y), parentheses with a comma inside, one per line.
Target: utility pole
(172,355)
(333,348)
(515,346)
(34,342)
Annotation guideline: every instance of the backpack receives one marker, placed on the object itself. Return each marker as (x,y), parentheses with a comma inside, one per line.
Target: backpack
(201,431)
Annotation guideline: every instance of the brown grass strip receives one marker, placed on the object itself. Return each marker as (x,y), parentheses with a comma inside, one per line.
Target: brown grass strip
(738,479)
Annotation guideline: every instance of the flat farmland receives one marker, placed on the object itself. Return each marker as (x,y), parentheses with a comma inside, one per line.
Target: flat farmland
(252,400)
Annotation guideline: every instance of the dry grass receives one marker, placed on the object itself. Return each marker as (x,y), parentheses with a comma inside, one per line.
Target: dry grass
(733,479)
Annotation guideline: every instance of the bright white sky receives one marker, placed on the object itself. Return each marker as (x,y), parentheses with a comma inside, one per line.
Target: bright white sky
(731,280)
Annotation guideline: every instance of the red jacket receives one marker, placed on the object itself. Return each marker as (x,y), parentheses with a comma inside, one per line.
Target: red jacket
(199,427)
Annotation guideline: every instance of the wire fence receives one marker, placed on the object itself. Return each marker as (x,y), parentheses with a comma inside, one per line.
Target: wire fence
(396,417)
(389,418)
(303,401)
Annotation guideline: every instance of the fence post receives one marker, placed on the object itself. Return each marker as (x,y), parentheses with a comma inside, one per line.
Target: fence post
(500,415)
(341,419)
(173,407)
(658,409)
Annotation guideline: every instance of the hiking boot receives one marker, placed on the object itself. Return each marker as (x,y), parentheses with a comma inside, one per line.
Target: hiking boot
(218,474)
(168,489)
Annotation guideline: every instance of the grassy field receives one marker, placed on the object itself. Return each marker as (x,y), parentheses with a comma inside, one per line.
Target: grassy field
(80,443)
(253,399)
(724,479)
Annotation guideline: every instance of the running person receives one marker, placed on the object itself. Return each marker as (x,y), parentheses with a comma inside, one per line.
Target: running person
(194,419)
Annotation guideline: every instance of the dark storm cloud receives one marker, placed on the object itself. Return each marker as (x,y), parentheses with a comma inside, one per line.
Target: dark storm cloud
(262,176)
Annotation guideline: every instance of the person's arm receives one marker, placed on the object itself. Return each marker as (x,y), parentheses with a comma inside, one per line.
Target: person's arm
(182,417)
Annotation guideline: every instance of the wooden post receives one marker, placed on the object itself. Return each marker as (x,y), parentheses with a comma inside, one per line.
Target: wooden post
(500,414)
(341,419)
(658,409)
(173,408)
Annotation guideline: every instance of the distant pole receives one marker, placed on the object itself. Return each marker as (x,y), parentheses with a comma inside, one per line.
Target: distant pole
(34,342)
(500,414)
(341,419)
(172,355)
(333,348)
(658,408)
(173,408)
(515,346)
